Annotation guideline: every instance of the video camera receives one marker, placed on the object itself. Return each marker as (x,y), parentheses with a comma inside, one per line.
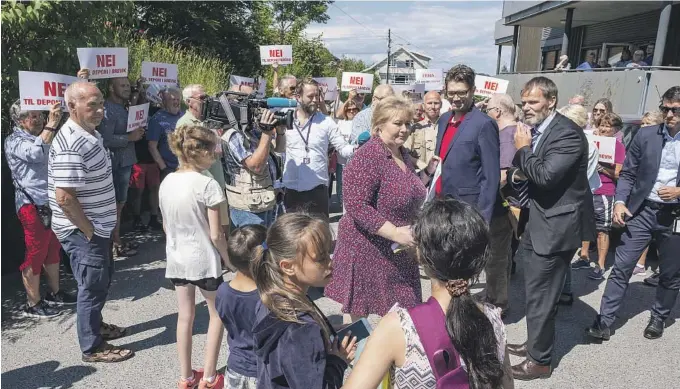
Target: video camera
(243,111)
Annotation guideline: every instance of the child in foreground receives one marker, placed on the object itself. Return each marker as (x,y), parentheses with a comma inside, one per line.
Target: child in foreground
(195,248)
(292,337)
(236,302)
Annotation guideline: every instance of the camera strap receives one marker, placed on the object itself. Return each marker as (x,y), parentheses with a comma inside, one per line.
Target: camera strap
(230,114)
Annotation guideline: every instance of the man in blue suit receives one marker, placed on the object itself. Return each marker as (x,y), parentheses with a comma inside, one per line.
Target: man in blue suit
(468,145)
(647,202)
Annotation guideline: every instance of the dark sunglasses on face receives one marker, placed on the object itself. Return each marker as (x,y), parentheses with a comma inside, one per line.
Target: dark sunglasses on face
(353,110)
(599,110)
(664,110)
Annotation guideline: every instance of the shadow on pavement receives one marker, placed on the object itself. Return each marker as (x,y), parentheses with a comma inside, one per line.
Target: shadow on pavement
(45,375)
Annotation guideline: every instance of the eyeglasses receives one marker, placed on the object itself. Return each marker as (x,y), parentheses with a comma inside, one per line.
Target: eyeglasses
(353,110)
(665,110)
(489,109)
(599,110)
(200,98)
(460,94)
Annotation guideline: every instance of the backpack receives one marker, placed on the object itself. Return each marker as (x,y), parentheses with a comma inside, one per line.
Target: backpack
(430,323)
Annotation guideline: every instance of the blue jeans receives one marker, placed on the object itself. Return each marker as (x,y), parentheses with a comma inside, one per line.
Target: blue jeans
(240,218)
(92,268)
(121,182)
(338,182)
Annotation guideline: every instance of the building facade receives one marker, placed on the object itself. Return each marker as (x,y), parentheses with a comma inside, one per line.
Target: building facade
(402,67)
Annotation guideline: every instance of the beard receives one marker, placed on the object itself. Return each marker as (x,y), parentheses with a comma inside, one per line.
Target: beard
(538,117)
(308,108)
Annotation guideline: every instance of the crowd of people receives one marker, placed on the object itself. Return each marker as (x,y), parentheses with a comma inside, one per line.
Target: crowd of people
(444,185)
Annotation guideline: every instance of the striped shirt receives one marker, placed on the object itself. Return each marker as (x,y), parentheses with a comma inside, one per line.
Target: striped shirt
(79,160)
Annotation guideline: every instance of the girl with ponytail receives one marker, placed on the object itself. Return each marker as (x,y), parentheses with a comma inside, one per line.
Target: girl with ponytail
(452,242)
(292,337)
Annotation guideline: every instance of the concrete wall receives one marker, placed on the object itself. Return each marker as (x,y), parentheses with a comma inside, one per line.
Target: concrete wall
(626,89)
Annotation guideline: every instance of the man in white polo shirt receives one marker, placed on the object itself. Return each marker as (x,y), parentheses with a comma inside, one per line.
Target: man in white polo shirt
(83,203)
(305,172)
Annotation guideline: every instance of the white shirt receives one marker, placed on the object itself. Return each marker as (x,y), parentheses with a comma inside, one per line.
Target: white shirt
(184,199)
(304,170)
(593,176)
(79,160)
(345,128)
(668,167)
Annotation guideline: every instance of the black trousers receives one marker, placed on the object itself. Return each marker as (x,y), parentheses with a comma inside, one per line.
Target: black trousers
(544,278)
(314,201)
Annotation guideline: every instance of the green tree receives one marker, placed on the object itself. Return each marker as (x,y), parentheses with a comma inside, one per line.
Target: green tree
(292,17)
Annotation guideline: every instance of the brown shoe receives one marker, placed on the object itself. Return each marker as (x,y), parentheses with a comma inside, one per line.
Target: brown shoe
(108,353)
(519,350)
(530,370)
(111,332)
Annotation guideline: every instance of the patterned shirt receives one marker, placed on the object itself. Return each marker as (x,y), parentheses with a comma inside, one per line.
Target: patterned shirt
(233,160)
(27,159)
(79,160)
(361,123)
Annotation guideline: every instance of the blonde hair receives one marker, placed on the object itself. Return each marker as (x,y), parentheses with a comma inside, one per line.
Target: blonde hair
(576,113)
(389,108)
(292,236)
(651,118)
(189,143)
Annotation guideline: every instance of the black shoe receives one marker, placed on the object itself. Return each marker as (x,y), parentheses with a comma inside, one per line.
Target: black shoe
(652,280)
(60,299)
(654,329)
(140,226)
(154,224)
(566,299)
(41,310)
(598,331)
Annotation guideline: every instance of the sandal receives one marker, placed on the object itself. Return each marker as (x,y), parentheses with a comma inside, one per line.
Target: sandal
(108,353)
(131,245)
(110,331)
(122,250)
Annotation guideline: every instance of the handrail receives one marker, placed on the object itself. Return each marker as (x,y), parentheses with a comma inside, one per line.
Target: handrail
(597,70)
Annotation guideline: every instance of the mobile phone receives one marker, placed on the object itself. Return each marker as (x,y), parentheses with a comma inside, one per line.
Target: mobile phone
(359,329)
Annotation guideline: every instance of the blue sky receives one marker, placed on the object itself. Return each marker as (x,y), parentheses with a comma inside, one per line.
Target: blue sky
(449,32)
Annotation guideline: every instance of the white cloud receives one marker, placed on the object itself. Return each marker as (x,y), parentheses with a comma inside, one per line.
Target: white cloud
(449,32)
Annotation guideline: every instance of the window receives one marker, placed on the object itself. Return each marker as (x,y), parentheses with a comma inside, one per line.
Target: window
(409,63)
(400,80)
(550,59)
(393,62)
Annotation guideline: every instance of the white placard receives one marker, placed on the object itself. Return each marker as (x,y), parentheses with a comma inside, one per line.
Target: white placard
(40,91)
(137,116)
(330,87)
(261,87)
(432,78)
(606,145)
(104,62)
(362,82)
(241,81)
(160,73)
(488,86)
(281,54)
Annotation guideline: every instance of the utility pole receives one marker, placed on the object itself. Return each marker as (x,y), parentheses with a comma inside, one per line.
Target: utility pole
(389,52)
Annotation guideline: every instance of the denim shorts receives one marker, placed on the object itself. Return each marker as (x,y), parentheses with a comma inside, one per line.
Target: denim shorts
(240,218)
(121,182)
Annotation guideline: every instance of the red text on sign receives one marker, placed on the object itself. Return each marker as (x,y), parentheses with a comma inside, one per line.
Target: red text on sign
(490,85)
(356,80)
(55,88)
(159,72)
(106,60)
(139,115)
(278,53)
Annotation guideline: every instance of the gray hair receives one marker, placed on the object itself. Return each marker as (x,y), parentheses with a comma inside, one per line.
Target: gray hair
(505,103)
(172,89)
(286,78)
(16,113)
(189,90)
(74,92)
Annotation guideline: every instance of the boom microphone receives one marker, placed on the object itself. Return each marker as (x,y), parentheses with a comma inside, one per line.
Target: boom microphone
(281,102)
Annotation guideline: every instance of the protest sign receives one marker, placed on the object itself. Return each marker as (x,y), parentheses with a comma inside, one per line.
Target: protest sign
(160,73)
(432,78)
(488,86)
(329,86)
(40,91)
(137,116)
(280,54)
(104,62)
(362,82)
(261,87)
(606,145)
(241,81)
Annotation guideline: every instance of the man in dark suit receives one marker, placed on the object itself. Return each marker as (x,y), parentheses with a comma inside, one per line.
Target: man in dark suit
(467,143)
(647,203)
(553,157)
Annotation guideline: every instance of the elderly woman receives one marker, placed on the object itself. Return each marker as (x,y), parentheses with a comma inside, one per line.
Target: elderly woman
(602,106)
(383,194)
(26,150)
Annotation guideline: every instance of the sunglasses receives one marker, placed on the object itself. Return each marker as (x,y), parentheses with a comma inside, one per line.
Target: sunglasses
(353,110)
(599,110)
(665,110)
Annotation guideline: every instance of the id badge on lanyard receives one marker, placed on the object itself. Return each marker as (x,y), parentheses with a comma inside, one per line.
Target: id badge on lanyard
(308,126)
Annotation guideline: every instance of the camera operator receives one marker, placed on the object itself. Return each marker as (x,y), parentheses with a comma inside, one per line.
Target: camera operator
(250,171)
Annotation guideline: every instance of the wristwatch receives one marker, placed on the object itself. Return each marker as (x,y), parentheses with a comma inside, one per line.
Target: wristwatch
(51,129)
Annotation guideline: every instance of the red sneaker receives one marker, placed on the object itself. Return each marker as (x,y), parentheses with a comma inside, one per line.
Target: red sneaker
(218,383)
(193,383)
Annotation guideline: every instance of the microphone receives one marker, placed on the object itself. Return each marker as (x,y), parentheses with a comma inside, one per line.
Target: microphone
(281,102)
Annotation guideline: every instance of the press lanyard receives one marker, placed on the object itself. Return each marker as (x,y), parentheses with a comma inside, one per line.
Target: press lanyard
(308,127)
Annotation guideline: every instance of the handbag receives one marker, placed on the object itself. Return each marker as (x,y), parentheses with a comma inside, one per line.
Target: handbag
(44,211)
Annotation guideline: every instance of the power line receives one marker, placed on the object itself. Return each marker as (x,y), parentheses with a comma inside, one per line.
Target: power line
(351,17)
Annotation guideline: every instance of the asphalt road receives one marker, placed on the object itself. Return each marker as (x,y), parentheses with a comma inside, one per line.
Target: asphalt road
(45,354)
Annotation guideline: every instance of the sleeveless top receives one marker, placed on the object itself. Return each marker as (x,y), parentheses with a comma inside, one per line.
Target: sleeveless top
(416,371)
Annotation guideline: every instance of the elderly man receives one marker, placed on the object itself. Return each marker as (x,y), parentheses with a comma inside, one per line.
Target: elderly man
(423,139)
(577,100)
(194,97)
(362,122)
(83,202)
(284,87)
(161,125)
(26,150)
